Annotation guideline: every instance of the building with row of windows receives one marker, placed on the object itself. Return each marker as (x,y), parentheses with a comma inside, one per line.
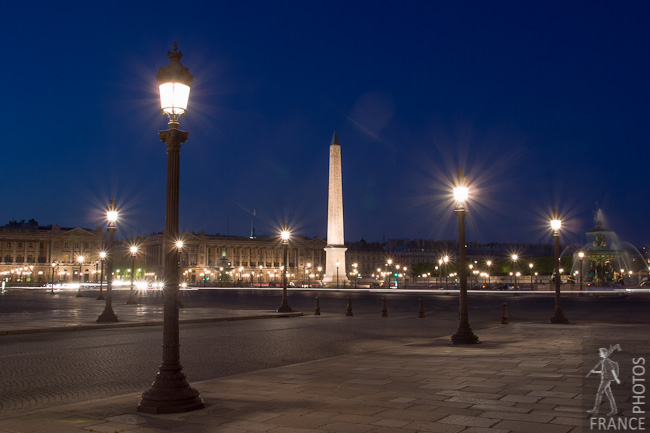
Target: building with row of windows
(28,250)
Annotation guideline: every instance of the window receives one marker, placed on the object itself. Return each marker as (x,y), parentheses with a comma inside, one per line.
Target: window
(41,244)
(31,245)
(86,245)
(65,245)
(20,245)
(8,244)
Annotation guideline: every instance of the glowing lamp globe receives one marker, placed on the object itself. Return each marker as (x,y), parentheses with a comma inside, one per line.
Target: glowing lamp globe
(285,234)
(460,194)
(174,82)
(133,249)
(556,224)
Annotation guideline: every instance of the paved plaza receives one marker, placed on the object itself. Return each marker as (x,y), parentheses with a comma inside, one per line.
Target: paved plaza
(523,377)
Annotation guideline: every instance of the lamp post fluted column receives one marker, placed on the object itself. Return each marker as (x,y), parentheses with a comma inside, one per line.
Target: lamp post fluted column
(109,316)
(284,306)
(558,315)
(170,391)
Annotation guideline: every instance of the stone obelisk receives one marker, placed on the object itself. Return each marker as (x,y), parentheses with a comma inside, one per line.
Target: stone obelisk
(335,249)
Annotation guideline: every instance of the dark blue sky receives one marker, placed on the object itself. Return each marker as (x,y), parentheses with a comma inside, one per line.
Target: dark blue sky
(543,103)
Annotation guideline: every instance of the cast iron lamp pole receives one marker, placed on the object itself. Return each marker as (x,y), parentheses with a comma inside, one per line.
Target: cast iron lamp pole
(131,301)
(102,257)
(55,265)
(284,307)
(530,265)
(581,256)
(489,266)
(338,264)
(108,316)
(170,391)
(464,334)
(81,260)
(556,225)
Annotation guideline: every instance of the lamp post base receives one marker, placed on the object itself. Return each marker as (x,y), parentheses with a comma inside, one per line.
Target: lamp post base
(100,297)
(108,316)
(131,300)
(464,335)
(558,317)
(170,393)
(284,307)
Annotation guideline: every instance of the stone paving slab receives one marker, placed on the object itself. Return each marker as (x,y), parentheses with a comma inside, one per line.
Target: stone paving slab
(425,387)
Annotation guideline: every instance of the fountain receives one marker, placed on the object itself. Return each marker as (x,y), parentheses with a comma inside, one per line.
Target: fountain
(606,258)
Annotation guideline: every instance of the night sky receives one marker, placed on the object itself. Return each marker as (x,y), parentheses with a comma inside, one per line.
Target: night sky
(543,104)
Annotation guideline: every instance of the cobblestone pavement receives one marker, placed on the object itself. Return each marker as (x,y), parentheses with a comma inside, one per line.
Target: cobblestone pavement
(525,377)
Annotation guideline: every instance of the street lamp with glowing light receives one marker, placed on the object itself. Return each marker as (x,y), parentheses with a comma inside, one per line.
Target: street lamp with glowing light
(556,225)
(464,334)
(170,391)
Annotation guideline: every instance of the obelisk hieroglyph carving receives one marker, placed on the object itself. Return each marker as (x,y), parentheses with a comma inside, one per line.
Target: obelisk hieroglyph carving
(335,249)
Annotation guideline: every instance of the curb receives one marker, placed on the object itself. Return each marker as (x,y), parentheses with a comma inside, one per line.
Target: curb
(145,323)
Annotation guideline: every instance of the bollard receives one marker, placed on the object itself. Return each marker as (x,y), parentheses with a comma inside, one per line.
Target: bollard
(421,310)
(349,313)
(317,308)
(504,317)
(384,311)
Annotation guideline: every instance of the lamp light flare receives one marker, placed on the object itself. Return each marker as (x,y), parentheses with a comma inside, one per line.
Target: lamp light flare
(461,193)
(556,224)
(285,234)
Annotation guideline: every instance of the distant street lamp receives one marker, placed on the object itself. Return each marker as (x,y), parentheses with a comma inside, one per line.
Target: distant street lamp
(464,334)
(581,256)
(80,260)
(55,266)
(170,392)
(338,264)
(514,258)
(445,260)
(531,265)
(284,307)
(556,225)
(355,265)
(102,258)
(131,301)
(309,275)
(489,271)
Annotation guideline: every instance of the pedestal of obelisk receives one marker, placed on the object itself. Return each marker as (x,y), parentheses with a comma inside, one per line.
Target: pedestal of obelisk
(335,249)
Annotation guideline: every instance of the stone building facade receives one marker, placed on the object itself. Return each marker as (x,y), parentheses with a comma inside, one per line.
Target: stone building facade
(217,258)
(28,250)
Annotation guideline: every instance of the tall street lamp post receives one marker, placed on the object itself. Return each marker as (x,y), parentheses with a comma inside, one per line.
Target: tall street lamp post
(531,266)
(464,334)
(445,260)
(170,391)
(102,258)
(131,301)
(556,225)
(55,266)
(514,258)
(80,260)
(489,266)
(581,256)
(338,264)
(284,306)
(108,315)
